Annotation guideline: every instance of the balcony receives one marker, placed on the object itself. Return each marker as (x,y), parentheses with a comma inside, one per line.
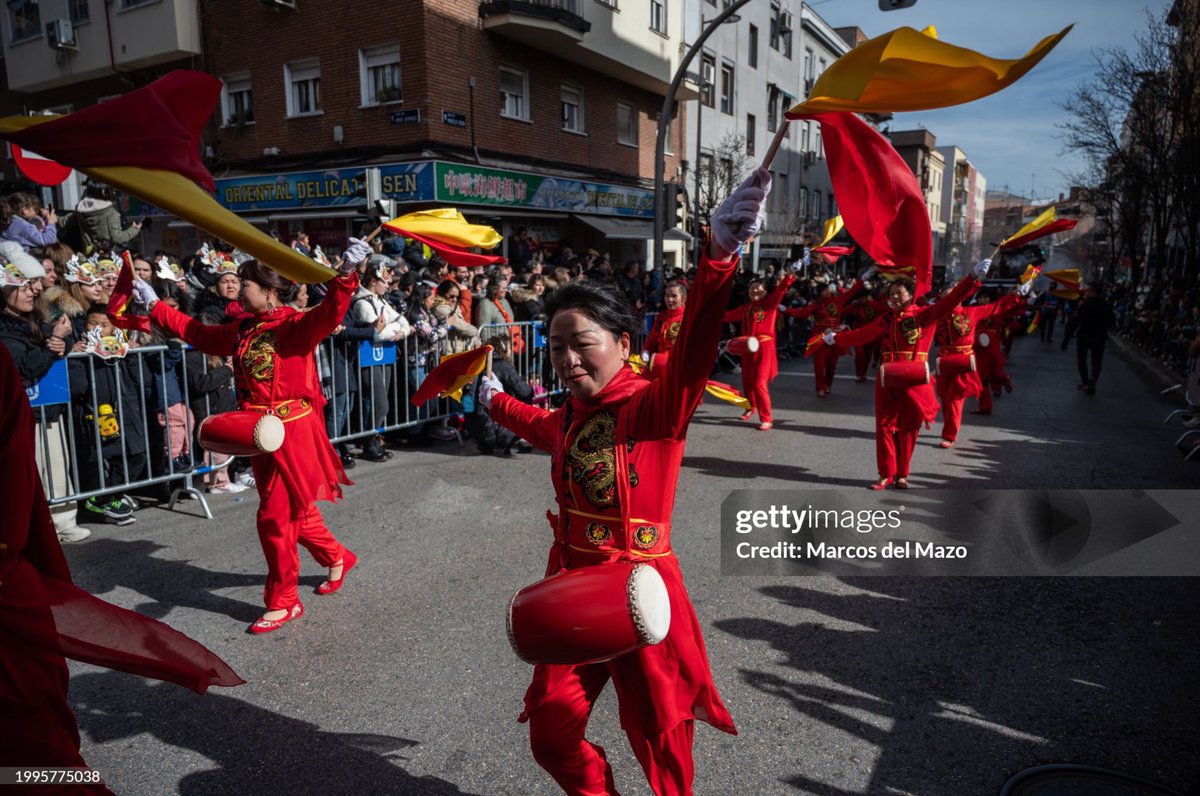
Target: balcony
(553,25)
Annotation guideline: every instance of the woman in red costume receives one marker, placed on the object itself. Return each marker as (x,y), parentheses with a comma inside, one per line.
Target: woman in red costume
(826,312)
(906,333)
(991,358)
(759,369)
(956,336)
(275,372)
(45,618)
(662,339)
(617,447)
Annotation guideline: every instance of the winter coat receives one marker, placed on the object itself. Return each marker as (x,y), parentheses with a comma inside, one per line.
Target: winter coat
(29,235)
(461,334)
(99,220)
(488,434)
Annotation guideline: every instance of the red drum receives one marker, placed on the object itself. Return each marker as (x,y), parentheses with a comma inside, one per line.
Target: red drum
(955,364)
(589,615)
(740,346)
(658,363)
(903,373)
(242,433)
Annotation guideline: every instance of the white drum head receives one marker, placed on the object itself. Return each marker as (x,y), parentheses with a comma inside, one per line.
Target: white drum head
(984,340)
(268,434)
(649,603)
(752,346)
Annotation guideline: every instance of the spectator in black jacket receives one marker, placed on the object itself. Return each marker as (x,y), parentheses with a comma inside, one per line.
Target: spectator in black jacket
(1094,316)
(489,436)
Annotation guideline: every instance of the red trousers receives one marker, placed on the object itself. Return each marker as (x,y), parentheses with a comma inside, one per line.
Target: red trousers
(864,355)
(825,359)
(279,533)
(894,450)
(556,730)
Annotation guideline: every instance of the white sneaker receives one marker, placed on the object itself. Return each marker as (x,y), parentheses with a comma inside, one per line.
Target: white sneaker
(75,534)
(230,488)
(245,478)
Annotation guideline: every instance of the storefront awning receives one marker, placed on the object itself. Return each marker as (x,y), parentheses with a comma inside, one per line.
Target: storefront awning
(629,228)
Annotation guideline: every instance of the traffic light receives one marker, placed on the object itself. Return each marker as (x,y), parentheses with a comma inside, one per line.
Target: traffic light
(676,199)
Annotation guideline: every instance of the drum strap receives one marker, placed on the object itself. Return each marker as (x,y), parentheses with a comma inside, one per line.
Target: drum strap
(621,455)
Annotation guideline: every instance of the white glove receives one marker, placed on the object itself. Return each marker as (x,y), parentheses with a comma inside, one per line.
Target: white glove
(144,293)
(797,266)
(645,356)
(830,337)
(489,388)
(741,215)
(782,308)
(868,274)
(359,251)
(982,267)
(1024,289)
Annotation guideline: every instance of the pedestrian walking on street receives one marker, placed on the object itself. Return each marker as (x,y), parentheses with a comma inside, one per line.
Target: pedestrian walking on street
(617,447)
(1094,317)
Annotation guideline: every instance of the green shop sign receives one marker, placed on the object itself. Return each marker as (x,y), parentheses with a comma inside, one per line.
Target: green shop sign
(457,183)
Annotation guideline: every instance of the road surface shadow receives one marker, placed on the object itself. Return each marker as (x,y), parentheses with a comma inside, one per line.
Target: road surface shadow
(959,683)
(254,750)
(102,565)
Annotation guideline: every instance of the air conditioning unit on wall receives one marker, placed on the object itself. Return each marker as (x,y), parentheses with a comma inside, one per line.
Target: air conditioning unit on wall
(60,35)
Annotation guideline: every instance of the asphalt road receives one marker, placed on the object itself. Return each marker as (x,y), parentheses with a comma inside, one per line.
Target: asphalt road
(404,681)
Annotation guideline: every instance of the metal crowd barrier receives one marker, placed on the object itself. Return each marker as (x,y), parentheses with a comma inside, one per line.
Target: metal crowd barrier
(95,443)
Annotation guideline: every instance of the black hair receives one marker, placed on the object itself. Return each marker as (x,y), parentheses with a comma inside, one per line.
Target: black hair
(96,309)
(264,277)
(907,283)
(602,304)
(446,286)
(677,283)
(416,302)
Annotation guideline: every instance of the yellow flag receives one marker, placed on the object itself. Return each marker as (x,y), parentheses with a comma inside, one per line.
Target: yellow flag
(446,225)
(1045,224)
(832,227)
(910,70)
(181,197)
(1031,272)
(726,393)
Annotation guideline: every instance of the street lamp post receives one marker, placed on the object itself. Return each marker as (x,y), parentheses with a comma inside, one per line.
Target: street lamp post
(664,117)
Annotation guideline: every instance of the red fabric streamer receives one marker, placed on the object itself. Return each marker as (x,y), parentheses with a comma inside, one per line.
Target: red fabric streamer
(118,303)
(154,127)
(1059,225)
(878,195)
(452,254)
(835,251)
(452,373)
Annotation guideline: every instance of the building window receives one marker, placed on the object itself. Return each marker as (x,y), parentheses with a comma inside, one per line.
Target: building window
(572,108)
(379,75)
(609,3)
(782,202)
(135,3)
(708,79)
(803,203)
(78,11)
(627,132)
(727,88)
(772,108)
(817,141)
(804,136)
(808,69)
(753,47)
(785,35)
(303,80)
(816,204)
(832,206)
(514,93)
(750,132)
(658,16)
(773,31)
(24,20)
(237,100)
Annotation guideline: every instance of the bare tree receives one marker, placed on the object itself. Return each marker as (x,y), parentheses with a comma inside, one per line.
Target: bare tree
(1128,121)
(718,174)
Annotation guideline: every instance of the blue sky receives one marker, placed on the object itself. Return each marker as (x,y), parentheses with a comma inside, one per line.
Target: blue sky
(1010,136)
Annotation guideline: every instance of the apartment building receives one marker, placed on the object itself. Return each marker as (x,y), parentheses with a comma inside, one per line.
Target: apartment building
(962,203)
(920,152)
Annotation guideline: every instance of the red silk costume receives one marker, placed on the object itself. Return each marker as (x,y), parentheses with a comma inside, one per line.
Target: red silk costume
(662,339)
(759,369)
(615,465)
(275,370)
(899,412)
(956,335)
(826,314)
(45,618)
(860,312)
(990,360)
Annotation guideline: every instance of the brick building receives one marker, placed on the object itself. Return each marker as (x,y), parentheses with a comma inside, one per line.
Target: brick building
(539,114)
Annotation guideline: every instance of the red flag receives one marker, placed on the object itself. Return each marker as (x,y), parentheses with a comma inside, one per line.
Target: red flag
(169,114)
(835,251)
(118,303)
(878,195)
(453,373)
(1058,225)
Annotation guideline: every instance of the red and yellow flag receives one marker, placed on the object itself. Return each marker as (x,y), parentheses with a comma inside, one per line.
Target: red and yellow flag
(118,303)
(454,372)
(910,70)
(727,394)
(834,252)
(1045,224)
(449,234)
(1031,272)
(147,143)
(832,227)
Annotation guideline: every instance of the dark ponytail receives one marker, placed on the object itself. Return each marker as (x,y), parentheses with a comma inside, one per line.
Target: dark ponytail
(265,278)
